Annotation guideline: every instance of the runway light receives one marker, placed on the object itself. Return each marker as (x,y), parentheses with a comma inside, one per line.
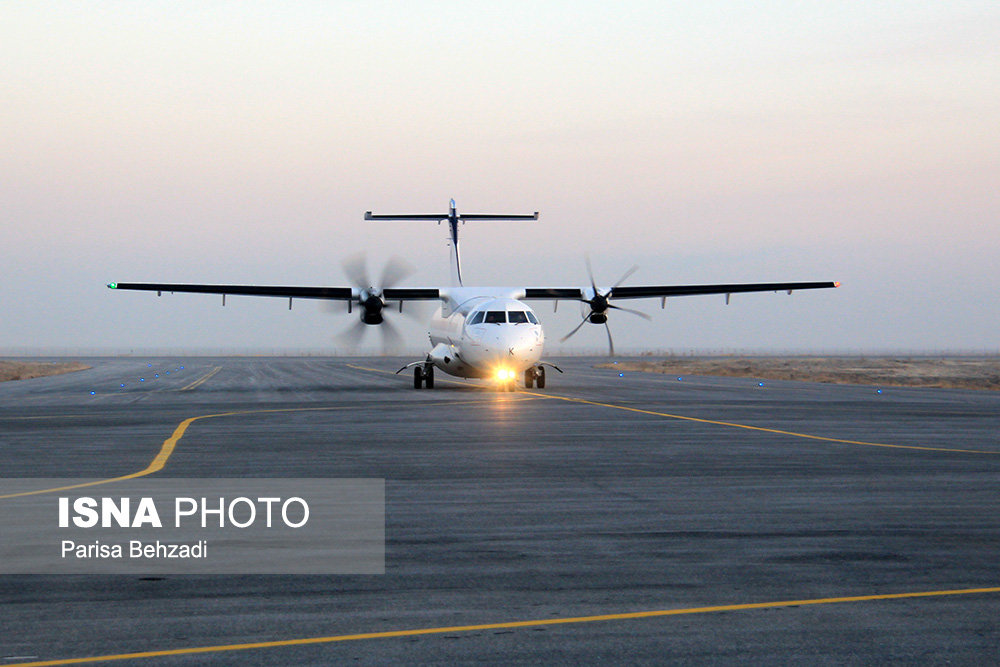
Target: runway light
(760,384)
(142,379)
(123,385)
(93,393)
(157,375)
(879,390)
(680,379)
(149,365)
(621,375)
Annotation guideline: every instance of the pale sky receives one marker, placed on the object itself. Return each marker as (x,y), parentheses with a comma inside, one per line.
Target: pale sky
(241,142)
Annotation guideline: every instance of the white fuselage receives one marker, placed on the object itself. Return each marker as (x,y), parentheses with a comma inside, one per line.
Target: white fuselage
(484,334)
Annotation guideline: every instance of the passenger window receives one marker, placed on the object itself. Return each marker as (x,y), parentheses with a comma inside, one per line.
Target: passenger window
(517,317)
(496,317)
(532,318)
(478,317)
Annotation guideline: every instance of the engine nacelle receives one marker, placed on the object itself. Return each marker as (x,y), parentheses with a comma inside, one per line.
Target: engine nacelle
(371,309)
(598,318)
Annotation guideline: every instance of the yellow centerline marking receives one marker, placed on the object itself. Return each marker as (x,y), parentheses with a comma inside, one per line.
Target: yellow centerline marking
(659,613)
(761,428)
(168,446)
(203,379)
(748,427)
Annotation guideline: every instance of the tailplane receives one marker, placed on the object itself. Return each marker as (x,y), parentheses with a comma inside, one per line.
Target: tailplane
(452,217)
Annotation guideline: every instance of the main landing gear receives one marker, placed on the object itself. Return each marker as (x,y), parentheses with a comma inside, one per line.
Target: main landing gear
(534,375)
(423,376)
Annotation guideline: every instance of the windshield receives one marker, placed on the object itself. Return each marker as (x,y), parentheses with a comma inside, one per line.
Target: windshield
(496,316)
(517,317)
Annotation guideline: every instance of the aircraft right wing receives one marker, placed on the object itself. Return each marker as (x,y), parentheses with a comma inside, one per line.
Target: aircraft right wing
(287,291)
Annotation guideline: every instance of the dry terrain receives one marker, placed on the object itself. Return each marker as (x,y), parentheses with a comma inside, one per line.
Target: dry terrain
(25,370)
(959,372)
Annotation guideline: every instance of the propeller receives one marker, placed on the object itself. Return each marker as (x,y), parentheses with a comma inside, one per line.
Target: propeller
(600,304)
(371,302)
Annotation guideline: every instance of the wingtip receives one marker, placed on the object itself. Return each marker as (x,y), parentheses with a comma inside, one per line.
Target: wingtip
(112,285)
(836,284)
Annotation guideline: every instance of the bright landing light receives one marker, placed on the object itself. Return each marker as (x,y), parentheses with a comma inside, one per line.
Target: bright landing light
(505,374)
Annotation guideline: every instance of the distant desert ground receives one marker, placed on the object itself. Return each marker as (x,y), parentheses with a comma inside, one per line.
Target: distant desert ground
(955,372)
(25,370)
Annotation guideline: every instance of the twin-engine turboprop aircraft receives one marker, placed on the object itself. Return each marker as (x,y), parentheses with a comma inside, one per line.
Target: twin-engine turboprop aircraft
(478,332)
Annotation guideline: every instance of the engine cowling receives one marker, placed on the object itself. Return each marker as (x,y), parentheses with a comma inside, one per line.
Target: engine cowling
(371,309)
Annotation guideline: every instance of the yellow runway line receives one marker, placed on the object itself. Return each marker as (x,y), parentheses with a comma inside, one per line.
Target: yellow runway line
(202,380)
(761,428)
(391,634)
(168,446)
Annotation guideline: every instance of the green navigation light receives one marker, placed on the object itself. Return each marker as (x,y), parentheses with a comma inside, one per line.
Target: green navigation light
(113,285)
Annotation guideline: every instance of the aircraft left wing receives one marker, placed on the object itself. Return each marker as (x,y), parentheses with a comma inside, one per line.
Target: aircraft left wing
(648,291)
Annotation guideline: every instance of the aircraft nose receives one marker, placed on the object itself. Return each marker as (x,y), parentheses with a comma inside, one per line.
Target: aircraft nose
(505,345)
(520,343)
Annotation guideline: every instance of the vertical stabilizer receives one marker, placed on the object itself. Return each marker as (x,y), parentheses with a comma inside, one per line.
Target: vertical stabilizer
(452,218)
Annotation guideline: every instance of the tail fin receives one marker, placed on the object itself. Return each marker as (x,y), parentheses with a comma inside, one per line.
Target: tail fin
(452,218)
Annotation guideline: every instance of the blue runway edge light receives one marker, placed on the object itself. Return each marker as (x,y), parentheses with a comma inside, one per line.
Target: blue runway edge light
(621,375)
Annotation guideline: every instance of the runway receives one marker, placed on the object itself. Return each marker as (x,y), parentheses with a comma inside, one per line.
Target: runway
(637,518)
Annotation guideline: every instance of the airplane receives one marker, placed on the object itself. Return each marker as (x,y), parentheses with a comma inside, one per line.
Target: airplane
(479,332)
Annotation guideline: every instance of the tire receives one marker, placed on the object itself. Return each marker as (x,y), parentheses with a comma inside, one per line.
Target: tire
(529,377)
(418,377)
(429,377)
(540,378)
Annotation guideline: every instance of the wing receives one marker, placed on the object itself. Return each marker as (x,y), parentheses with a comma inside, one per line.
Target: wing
(649,291)
(288,291)
(644,291)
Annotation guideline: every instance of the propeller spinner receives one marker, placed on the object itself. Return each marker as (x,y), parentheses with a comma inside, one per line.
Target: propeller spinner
(370,300)
(600,304)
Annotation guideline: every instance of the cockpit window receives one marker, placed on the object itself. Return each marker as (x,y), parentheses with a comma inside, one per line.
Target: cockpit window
(532,318)
(517,317)
(496,316)
(478,317)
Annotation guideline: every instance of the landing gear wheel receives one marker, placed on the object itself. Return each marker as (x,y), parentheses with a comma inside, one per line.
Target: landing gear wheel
(540,377)
(418,377)
(529,377)
(429,377)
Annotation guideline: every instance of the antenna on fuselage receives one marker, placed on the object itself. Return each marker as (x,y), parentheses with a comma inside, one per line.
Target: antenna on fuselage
(452,218)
